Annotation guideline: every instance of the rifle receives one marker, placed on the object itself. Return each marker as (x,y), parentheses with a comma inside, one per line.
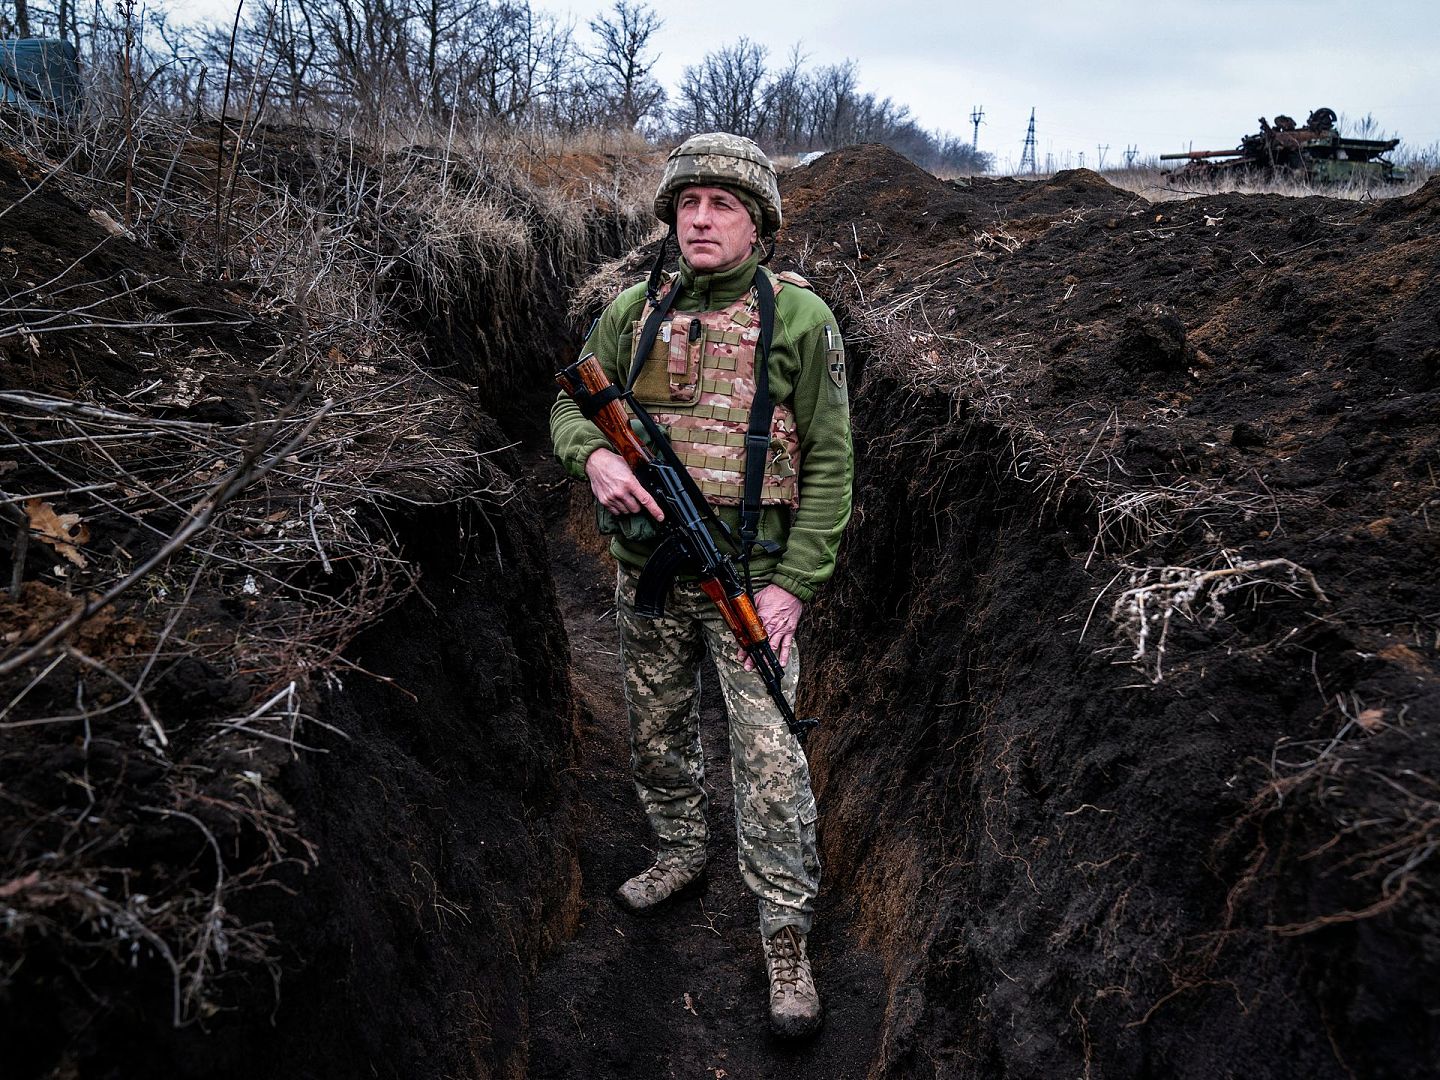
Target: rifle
(687,547)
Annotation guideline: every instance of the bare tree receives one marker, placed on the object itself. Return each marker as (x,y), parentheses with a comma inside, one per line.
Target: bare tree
(620,64)
(788,106)
(724,91)
(442,26)
(516,61)
(835,98)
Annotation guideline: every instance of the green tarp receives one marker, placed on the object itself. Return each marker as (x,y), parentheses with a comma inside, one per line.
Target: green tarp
(39,75)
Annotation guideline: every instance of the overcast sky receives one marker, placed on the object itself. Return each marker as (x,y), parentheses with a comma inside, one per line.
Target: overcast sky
(1162,75)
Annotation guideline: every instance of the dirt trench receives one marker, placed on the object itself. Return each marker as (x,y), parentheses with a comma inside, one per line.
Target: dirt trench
(1092,832)
(1042,858)
(682,993)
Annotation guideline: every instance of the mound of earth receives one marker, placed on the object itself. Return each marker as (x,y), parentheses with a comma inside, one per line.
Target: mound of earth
(295,801)
(1129,668)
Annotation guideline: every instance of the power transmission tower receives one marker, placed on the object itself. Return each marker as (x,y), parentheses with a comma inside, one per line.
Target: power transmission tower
(1131,153)
(1027,155)
(1100,154)
(977,114)
(1082,159)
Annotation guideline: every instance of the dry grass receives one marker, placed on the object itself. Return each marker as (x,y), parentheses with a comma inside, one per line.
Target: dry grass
(1154,185)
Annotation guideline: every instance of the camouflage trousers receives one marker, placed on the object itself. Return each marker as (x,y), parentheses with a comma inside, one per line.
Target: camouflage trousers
(774,808)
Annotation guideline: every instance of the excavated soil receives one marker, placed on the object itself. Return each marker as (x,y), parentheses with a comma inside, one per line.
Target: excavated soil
(1215,860)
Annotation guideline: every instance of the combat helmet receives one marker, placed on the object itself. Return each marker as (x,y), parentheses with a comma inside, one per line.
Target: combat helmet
(718,157)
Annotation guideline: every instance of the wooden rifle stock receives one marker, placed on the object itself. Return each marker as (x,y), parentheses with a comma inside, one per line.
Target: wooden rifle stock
(739,614)
(585,381)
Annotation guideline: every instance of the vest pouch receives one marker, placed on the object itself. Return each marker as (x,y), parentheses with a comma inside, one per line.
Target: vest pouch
(687,345)
(671,373)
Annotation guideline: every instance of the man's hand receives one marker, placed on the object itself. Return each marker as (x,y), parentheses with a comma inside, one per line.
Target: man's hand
(780,611)
(615,486)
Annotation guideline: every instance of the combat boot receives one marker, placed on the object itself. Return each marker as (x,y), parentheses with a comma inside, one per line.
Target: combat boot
(794,1001)
(651,888)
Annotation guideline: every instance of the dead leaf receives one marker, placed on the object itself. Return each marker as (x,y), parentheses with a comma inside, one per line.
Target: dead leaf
(185,390)
(56,529)
(720,1074)
(34,343)
(1371,719)
(106,222)
(690,1004)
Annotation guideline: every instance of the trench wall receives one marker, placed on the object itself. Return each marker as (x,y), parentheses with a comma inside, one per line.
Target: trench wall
(1069,869)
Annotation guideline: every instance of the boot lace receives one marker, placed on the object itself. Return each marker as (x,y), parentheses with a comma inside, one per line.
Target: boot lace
(785,952)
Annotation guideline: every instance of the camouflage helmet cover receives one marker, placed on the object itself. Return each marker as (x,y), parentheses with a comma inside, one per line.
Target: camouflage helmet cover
(721,159)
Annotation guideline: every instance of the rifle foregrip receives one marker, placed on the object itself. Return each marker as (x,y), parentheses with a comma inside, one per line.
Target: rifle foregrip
(739,613)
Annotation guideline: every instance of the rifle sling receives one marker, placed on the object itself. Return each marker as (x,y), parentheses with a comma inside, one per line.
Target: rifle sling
(757,438)
(590,404)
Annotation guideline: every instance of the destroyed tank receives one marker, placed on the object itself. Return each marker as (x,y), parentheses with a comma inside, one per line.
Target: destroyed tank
(1316,153)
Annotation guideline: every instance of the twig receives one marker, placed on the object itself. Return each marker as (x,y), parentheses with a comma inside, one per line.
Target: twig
(246,473)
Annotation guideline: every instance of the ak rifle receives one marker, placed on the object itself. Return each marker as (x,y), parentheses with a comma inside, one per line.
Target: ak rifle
(687,546)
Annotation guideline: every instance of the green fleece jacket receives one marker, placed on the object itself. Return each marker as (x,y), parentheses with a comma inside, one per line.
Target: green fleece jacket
(800,377)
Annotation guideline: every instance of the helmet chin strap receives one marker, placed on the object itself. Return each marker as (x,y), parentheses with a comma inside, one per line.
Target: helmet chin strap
(652,287)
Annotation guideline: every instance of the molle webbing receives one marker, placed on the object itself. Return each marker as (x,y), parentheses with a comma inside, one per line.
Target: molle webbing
(732,493)
(700,381)
(721,412)
(712,438)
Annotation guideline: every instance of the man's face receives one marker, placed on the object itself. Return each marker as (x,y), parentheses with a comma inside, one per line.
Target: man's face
(714,228)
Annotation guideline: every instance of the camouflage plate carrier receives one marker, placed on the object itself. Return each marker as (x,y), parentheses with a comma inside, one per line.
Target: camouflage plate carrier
(699,384)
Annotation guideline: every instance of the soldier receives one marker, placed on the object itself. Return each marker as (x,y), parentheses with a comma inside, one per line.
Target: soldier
(720,198)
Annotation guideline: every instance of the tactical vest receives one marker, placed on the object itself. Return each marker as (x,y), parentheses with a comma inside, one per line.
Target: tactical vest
(698,383)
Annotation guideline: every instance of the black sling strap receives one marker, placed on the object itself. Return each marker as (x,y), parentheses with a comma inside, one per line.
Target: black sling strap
(757,438)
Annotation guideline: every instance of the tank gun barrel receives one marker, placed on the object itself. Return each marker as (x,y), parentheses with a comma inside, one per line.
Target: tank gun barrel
(1197,155)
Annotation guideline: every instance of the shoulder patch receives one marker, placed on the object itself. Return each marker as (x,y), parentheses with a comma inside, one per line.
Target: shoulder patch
(792,278)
